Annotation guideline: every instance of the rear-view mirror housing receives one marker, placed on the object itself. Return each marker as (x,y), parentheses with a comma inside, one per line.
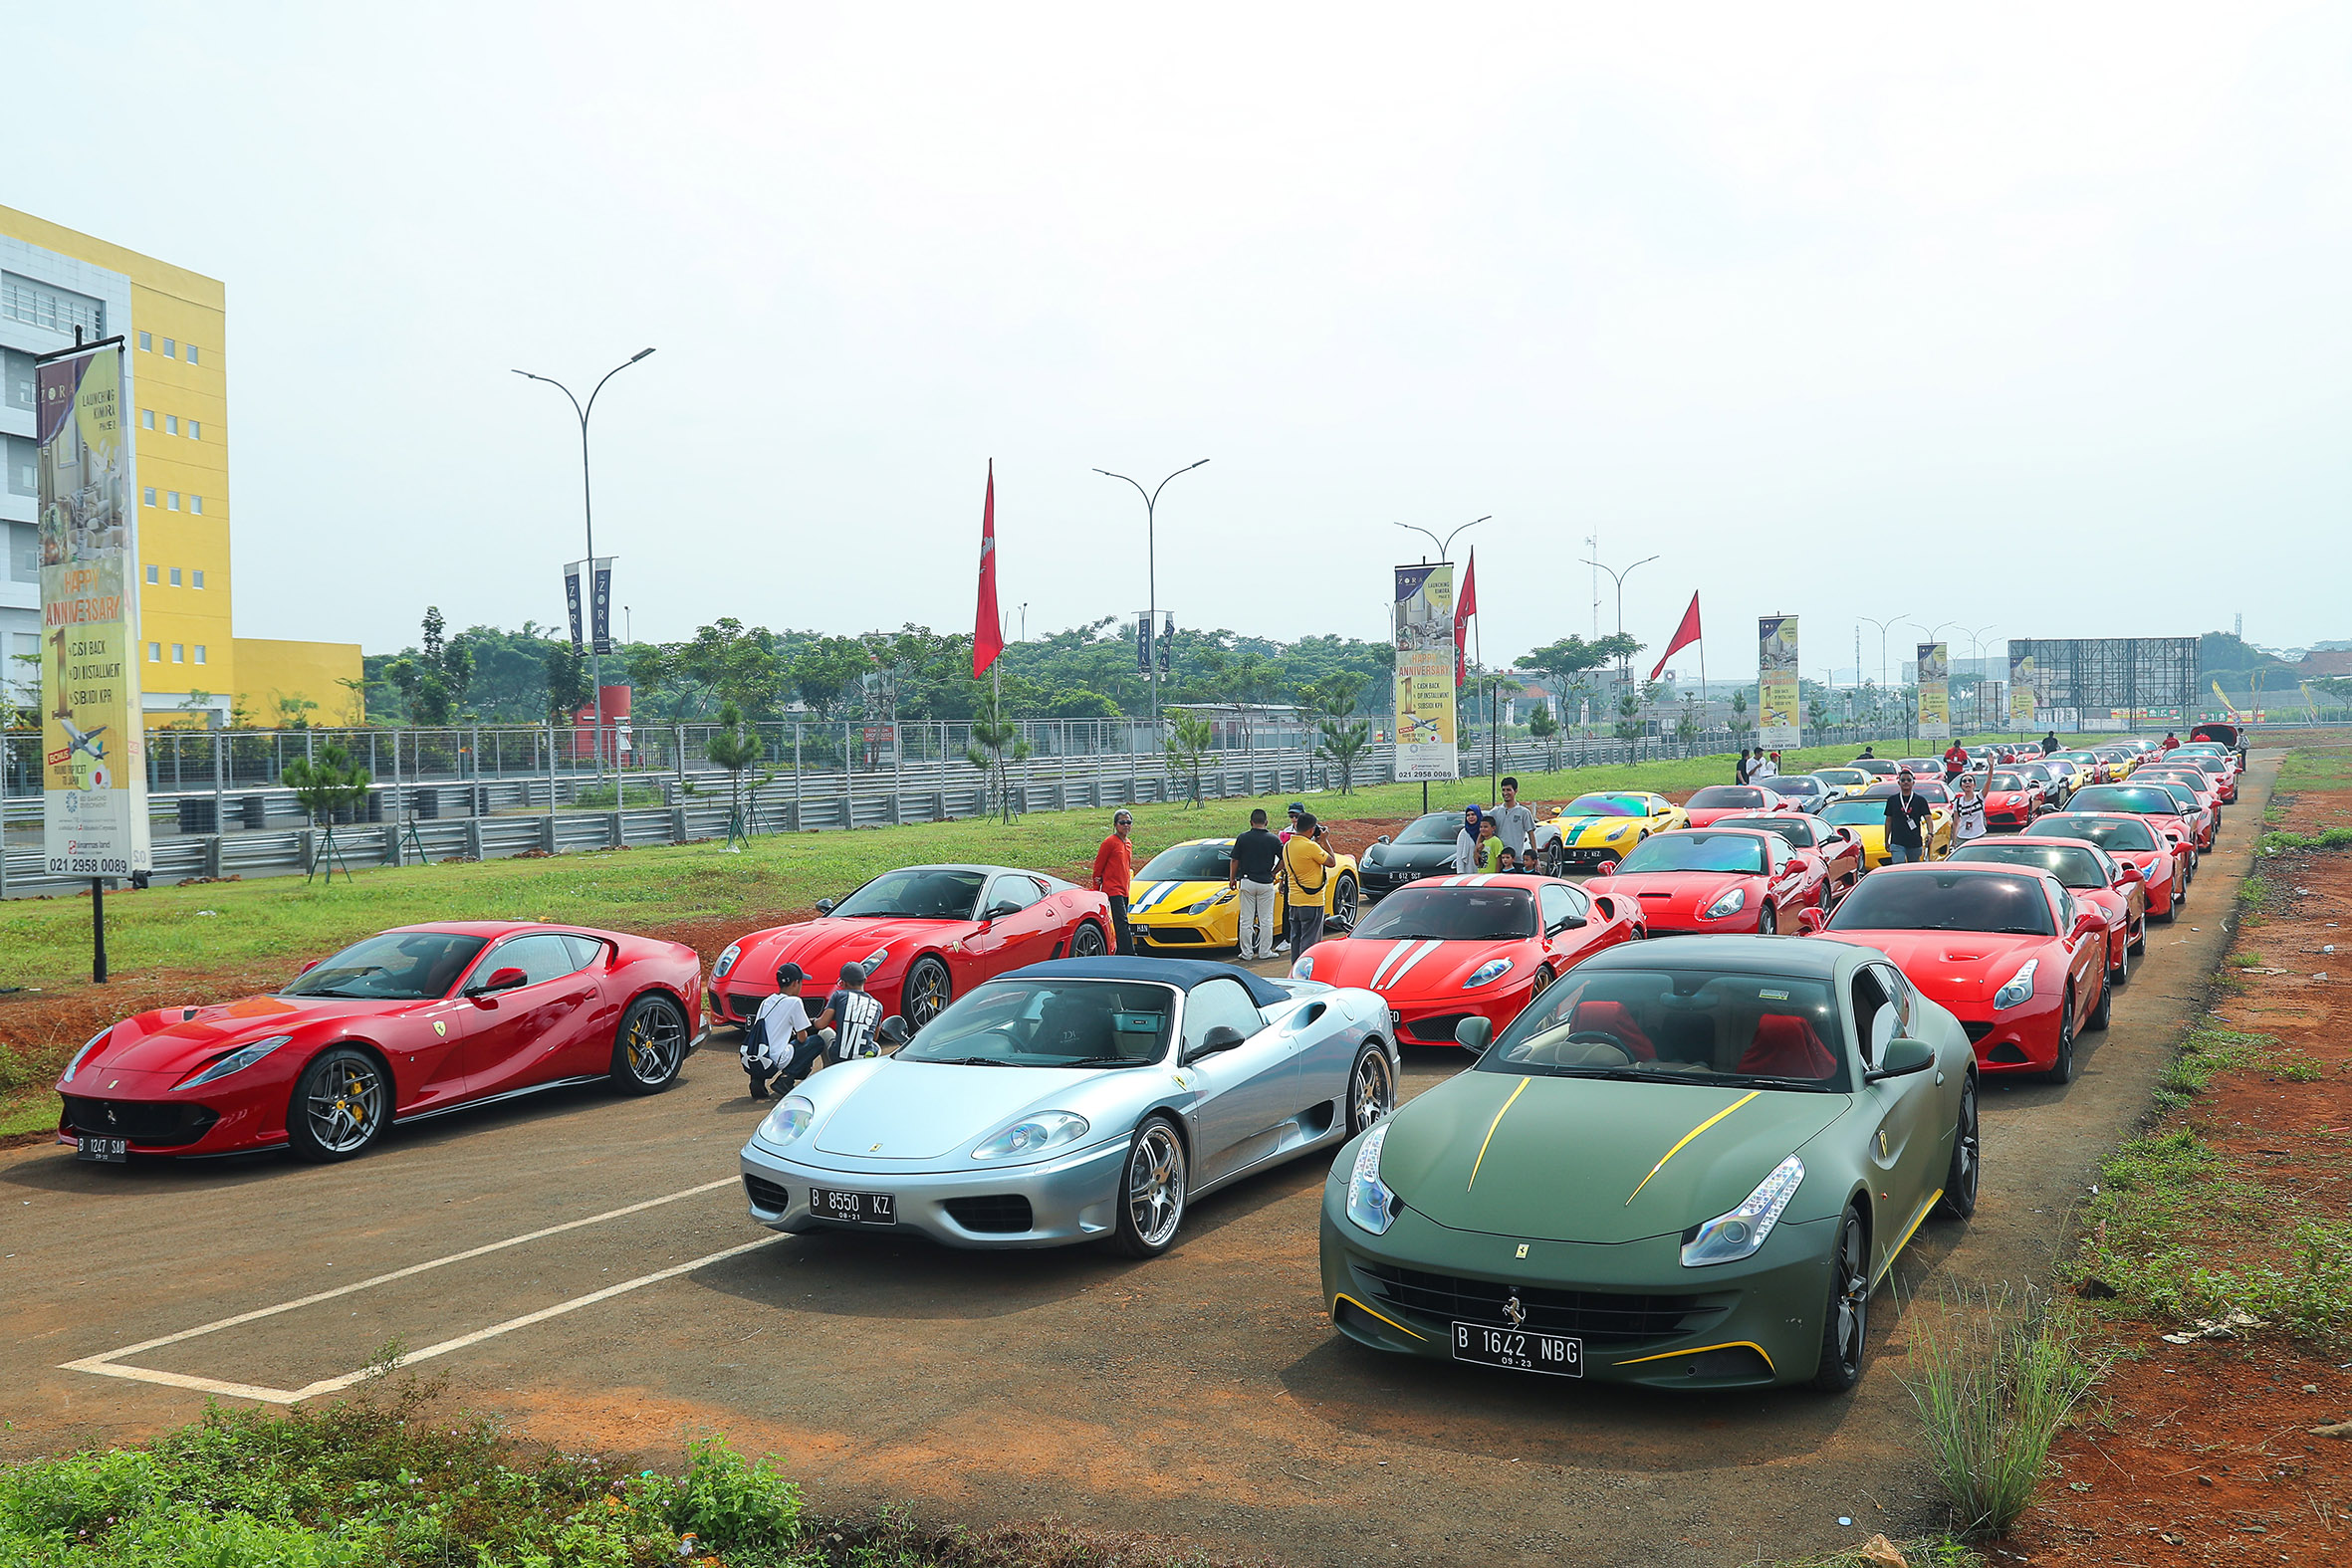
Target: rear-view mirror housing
(1474,1033)
(1902,1057)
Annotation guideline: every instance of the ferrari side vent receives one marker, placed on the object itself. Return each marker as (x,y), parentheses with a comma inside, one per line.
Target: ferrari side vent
(1002,1214)
(766,1195)
(1976,1031)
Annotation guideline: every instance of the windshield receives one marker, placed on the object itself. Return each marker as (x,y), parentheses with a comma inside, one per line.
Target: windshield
(1451,914)
(1794,829)
(400,966)
(2126,797)
(1716,797)
(1190,863)
(1843,776)
(2073,867)
(2110,833)
(1856,812)
(1438,827)
(1935,900)
(1765,1032)
(919,893)
(1695,850)
(1933,791)
(1796,784)
(2213,766)
(1607,806)
(2008,781)
(1050,1023)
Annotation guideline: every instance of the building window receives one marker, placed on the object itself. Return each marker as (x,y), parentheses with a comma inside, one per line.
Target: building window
(150,573)
(154,649)
(172,424)
(179,653)
(172,501)
(196,504)
(198,573)
(176,576)
(149,495)
(195,429)
(199,654)
(191,353)
(38,305)
(171,349)
(146,419)
(146,343)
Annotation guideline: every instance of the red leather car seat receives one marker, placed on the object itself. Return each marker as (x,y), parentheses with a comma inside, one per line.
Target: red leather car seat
(1616,1019)
(1787,1048)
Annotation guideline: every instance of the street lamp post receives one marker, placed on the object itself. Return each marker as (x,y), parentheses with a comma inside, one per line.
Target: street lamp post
(1976,657)
(1151,569)
(1624,660)
(588,514)
(1882,626)
(1443,545)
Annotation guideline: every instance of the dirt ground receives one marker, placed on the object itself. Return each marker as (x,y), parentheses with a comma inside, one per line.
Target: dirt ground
(1201,1397)
(2204,1452)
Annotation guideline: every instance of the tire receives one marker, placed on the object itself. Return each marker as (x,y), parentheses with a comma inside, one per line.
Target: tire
(650,1046)
(342,1104)
(2121,970)
(2062,1070)
(1087,941)
(1554,861)
(1846,1315)
(1768,923)
(1962,1175)
(1371,1088)
(2137,946)
(2172,908)
(1152,1180)
(927,992)
(1343,904)
(2104,1012)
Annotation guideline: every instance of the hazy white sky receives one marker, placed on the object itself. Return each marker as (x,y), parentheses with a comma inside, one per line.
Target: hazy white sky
(2031,317)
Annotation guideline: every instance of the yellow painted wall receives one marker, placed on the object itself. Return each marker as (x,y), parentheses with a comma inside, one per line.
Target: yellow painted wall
(269,670)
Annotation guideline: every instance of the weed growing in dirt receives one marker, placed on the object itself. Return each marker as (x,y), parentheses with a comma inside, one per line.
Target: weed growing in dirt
(2301,1069)
(1930,1551)
(1993,1384)
(2278,843)
(2316,768)
(2247,960)
(2209,1048)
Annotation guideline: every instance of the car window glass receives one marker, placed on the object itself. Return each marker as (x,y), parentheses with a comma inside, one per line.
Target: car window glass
(1018,891)
(541,957)
(1876,1017)
(1560,906)
(585,950)
(1899,988)
(1219,1001)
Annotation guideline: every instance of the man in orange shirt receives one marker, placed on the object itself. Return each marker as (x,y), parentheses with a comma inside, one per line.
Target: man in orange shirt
(1114,871)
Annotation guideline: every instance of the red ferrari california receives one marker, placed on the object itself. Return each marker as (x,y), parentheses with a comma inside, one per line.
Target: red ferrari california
(1700,880)
(1705,805)
(2117,891)
(1833,854)
(925,934)
(2162,862)
(2017,959)
(1462,947)
(415,1021)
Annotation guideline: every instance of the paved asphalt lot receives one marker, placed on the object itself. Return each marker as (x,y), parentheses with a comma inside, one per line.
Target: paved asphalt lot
(1202,1396)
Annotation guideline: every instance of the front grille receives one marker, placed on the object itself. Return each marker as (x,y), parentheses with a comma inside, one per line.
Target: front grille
(1597,1317)
(1173,936)
(1437,1029)
(1005,1214)
(766,1194)
(1975,1031)
(158,1124)
(743,1006)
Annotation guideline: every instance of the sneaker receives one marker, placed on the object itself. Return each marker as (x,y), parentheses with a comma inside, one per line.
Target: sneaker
(759,1094)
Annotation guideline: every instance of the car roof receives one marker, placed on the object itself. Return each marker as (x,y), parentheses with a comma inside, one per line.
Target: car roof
(1802,956)
(1183,973)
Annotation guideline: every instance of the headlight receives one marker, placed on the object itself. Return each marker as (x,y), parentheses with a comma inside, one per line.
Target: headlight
(95,1041)
(1490,969)
(727,961)
(1034,1136)
(1728,904)
(788,1120)
(1619,831)
(237,1060)
(874,961)
(1371,1205)
(1727,1237)
(1207,903)
(1305,968)
(2020,987)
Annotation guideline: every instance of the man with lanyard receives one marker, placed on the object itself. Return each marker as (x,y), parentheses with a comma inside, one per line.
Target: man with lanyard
(1115,875)
(856,1014)
(1250,871)
(1955,761)
(1514,824)
(1968,813)
(1307,872)
(1907,814)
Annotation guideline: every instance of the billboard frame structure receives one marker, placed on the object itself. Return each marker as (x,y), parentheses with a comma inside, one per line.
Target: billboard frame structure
(2092,677)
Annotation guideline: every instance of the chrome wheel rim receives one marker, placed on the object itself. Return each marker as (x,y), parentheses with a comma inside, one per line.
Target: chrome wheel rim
(657,1043)
(1968,1149)
(1766,923)
(926,994)
(1853,1296)
(1369,1097)
(347,1104)
(1087,943)
(1343,903)
(1155,1186)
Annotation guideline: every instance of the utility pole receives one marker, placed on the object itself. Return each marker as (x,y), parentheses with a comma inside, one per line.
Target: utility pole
(1882,626)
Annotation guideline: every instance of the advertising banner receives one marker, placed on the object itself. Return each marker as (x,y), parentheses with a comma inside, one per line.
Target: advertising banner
(1143,643)
(1423,632)
(1776,712)
(1167,647)
(2021,688)
(572,599)
(93,774)
(600,607)
(1935,691)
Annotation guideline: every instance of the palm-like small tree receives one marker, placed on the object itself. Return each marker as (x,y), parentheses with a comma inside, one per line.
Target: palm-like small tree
(997,744)
(326,782)
(1190,739)
(736,747)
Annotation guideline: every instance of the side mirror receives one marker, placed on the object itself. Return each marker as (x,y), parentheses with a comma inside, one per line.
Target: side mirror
(1902,1059)
(825,906)
(999,911)
(2129,873)
(1808,921)
(1607,868)
(1223,1037)
(1382,839)
(308,965)
(1474,1033)
(893,1032)
(500,979)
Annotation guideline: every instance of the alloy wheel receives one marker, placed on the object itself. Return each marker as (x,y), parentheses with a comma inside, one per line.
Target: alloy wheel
(347,1104)
(925,992)
(1372,1094)
(1155,1185)
(656,1043)
(1850,1307)
(1086,941)
(1343,902)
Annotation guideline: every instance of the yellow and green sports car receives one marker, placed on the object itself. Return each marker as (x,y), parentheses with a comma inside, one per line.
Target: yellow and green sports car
(1602,826)
(1846,780)
(1178,901)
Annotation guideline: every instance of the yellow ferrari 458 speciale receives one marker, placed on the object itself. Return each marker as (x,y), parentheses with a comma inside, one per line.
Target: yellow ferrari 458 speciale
(1179,902)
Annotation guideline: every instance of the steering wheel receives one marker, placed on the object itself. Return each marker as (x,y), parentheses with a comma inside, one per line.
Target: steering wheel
(1604,1040)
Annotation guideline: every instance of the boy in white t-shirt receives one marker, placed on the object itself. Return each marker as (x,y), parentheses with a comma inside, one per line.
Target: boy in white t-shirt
(772,1044)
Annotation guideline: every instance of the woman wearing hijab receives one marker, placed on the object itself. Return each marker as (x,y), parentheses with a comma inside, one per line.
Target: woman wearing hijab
(1465,842)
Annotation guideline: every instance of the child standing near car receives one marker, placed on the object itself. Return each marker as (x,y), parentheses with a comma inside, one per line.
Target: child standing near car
(778,1034)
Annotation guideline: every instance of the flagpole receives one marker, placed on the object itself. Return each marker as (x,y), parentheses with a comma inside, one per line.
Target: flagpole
(1702,680)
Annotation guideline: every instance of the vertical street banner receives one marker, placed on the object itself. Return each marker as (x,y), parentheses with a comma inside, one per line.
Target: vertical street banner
(1421,631)
(93,774)
(2023,701)
(1167,649)
(572,601)
(601,604)
(1143,643)
(1776,690)
(1935,691)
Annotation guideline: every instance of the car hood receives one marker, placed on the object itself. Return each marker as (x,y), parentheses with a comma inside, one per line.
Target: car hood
(821,947)
(1708,815)
(1169,898)
(898,1110)
(1593,831)
(1561,1159)
(1672,890)
(1411,857)
(171,1042)
(1953,966)
(1417,967)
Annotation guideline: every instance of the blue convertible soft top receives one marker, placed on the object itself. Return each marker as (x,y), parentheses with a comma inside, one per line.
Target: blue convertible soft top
(1184,973)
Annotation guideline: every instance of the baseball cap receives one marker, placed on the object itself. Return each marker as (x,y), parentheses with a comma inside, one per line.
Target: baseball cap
(854,974)
(1297,808)
(789,973)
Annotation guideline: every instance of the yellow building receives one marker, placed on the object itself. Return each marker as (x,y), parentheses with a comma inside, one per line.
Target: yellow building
(174,327)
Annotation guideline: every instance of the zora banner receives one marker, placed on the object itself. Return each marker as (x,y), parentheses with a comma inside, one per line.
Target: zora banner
(1423,632)
(1775,683)
(2023,678)
(1935,691)
(93,772)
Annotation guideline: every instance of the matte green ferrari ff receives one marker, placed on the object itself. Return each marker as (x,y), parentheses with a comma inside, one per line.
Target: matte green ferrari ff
(1689,1163)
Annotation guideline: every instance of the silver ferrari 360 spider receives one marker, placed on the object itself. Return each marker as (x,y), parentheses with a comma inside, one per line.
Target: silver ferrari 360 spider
(1080,1099)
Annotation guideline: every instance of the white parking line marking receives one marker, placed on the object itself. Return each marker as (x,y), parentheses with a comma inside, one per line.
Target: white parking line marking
(105,1364)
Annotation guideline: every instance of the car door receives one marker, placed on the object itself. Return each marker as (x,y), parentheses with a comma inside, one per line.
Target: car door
(1787,877)
(1027,931)
(1245,1093)
(1906,1154)
(1563,909)
(520,1035)
(2086,932)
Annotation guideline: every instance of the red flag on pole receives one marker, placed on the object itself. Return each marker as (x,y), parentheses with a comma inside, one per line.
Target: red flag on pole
(1464,606)
(987,629)
(1684,635)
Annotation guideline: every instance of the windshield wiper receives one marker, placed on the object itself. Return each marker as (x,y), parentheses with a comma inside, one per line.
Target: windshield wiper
(965,1061)
(1105,1062)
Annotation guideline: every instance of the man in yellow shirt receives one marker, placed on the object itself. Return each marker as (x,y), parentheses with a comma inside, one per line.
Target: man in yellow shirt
(1306,877)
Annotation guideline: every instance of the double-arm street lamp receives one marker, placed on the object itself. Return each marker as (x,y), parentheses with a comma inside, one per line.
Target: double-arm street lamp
(588,514)
(1151,570)
(1445,546)
(1882,626)
(1626,660)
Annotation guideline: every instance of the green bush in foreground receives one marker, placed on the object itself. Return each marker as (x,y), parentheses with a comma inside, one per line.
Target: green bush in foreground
(1992,1388)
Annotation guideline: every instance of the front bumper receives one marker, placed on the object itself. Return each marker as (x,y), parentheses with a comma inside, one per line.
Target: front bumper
(2019,1039)
(1643,1317)
(1432,1020)
(1068,1200)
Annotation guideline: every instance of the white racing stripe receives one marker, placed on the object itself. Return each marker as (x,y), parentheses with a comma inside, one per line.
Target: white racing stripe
(1395,952)
(1426,948)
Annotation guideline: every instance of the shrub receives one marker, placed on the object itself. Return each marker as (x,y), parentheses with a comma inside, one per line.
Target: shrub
(1992,1386)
